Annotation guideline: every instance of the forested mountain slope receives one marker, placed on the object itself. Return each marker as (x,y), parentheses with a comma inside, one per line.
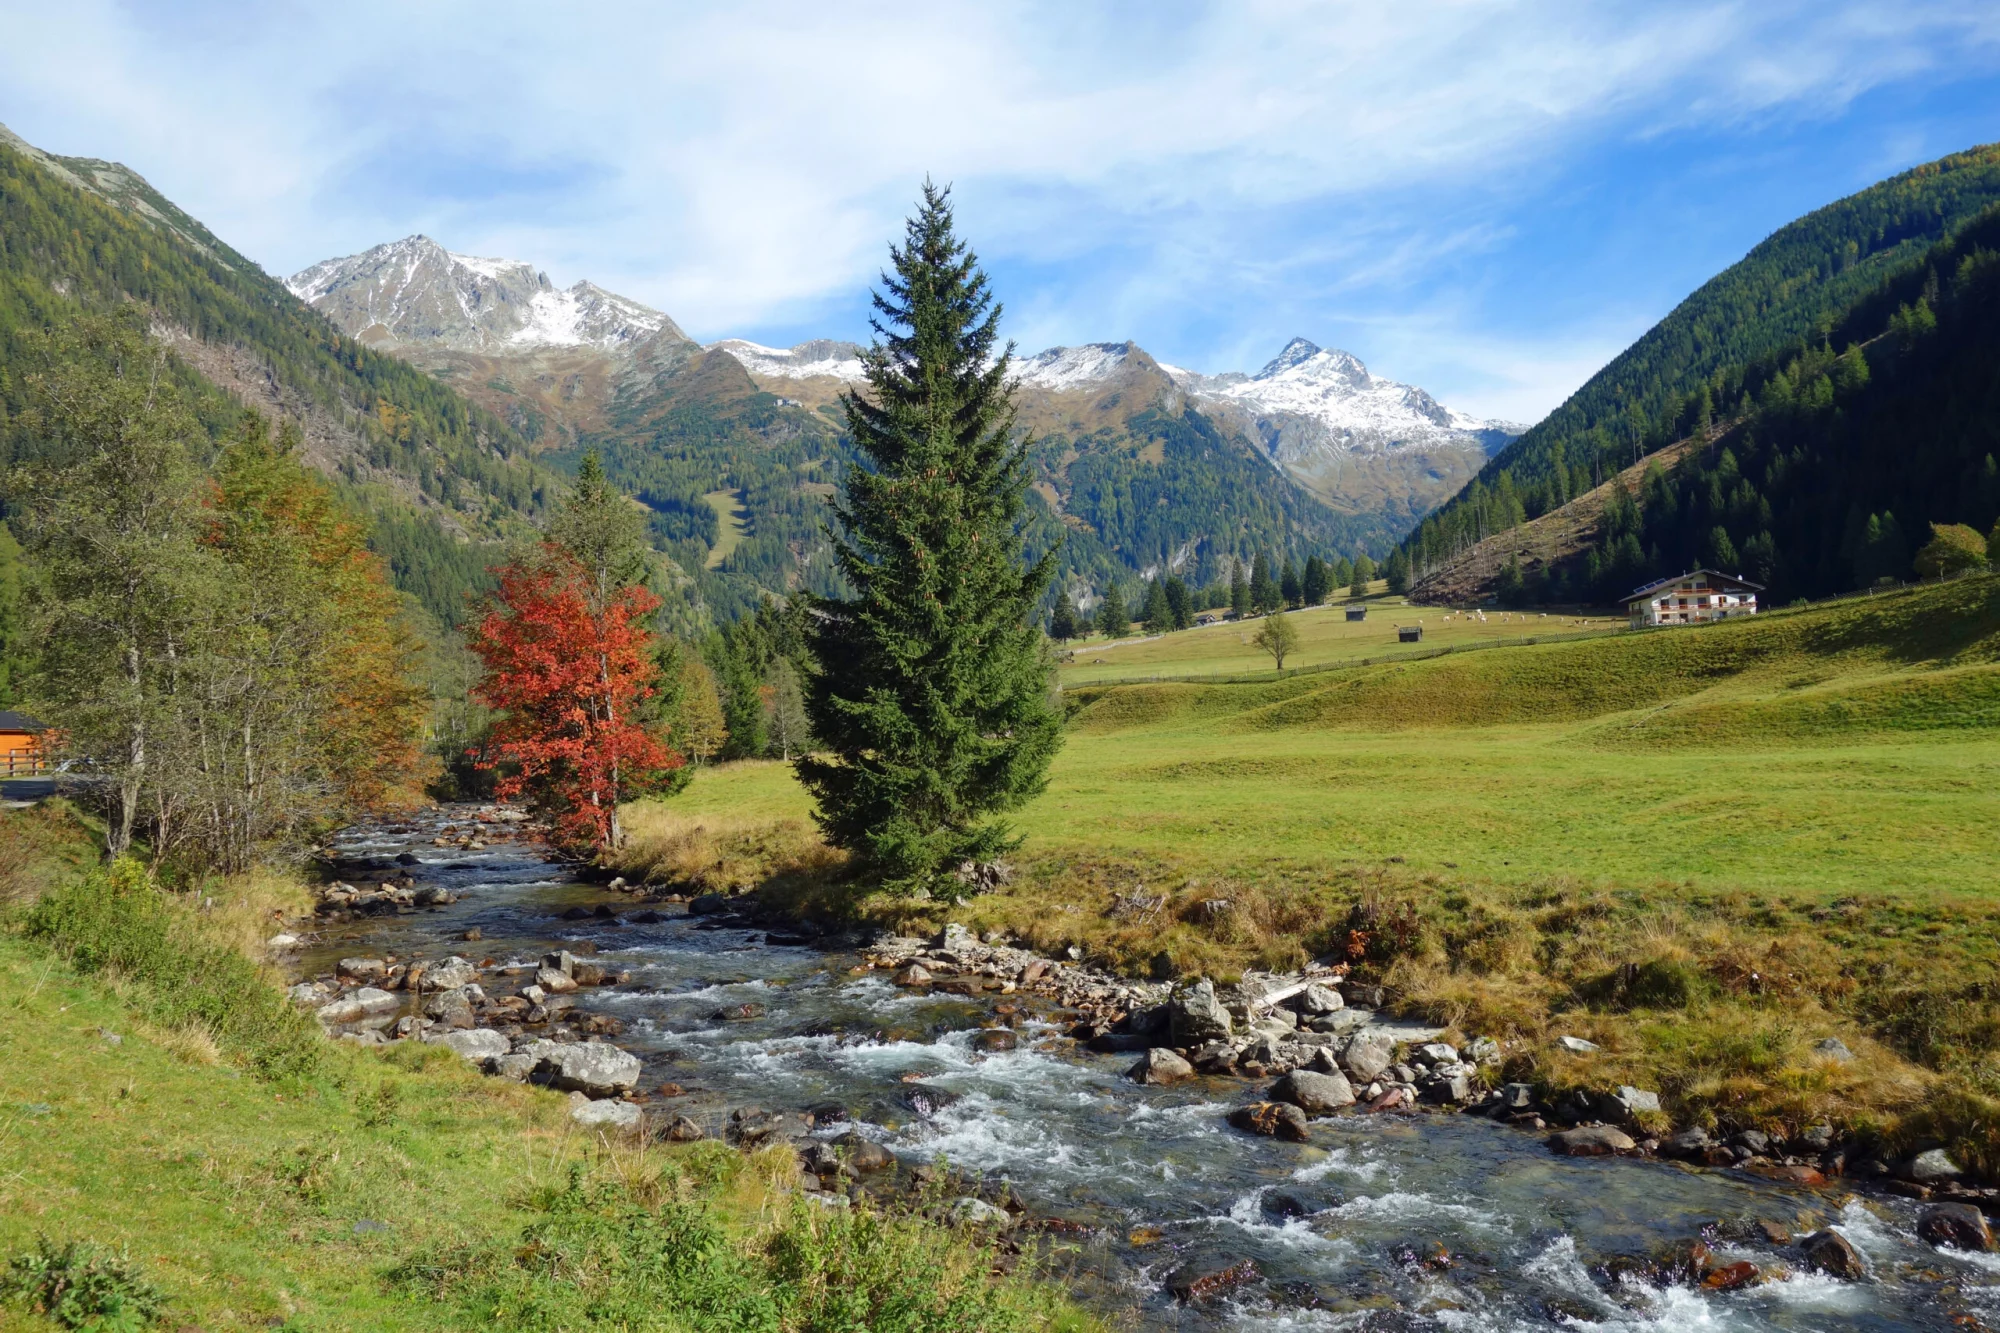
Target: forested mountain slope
(1690,368)
(440,475)
(1849,446)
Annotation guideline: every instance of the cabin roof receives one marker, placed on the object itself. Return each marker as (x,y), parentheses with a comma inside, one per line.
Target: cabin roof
(10,721)
(1716,578)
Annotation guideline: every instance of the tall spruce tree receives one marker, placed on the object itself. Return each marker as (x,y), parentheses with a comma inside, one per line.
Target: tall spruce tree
(1113,620)
(932,693)
(1264,595)
(1062,622)
(1239,591)
(1314,584)
(1159,614)
(1290,588)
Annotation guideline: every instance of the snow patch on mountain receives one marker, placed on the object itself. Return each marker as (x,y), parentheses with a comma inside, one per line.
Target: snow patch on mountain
(821,358)
(1064,369)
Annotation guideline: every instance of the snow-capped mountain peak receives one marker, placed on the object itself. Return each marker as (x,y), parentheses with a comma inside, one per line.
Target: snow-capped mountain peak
(414,291)
(818,358)
(1064,369)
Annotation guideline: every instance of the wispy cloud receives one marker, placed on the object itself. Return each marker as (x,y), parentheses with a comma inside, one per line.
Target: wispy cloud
(1192,175)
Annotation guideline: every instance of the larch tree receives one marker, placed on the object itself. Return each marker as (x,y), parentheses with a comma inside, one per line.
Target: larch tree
(932,697)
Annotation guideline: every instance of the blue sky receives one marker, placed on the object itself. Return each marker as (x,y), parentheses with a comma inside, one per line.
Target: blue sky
(1488,199)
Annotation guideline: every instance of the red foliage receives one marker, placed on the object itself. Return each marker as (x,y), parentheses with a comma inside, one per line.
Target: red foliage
(569,681)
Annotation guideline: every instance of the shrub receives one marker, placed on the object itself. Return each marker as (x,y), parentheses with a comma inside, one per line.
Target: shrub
(116,921)
(83,1286)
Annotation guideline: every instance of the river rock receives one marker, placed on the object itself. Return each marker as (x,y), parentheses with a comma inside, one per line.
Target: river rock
(1316,999)
(1591,1141)
(1199,1282)
(1315,1094)
(604,1114)
(1688,1145)
(708,904)
(925,1100)
(515,1068)
(1272,1120)
(1196,1017)
(308,995)
(1435,1053)
(995,1039)
(1578,1046)
(367,1006)
(738,1013)
(1517,1097)
(1753,1141)
(913,975)
(1829,1252)
(1159,1067)
(751,1125)
(562,961)
(596,1069)
(682,1130)
(1626,1104)
(1447,1085)
(1731,1277)
(1482,1051)
(864,1155)
(361,969)
(450,973)
(972,1212)
(554,982)
(477,1045)
(452,1008)
(1365,1057)
(955,938)
(1928,1168)
(1958,1226)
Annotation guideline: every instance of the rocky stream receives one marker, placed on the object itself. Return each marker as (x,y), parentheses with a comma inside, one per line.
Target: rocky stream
(1273,1155)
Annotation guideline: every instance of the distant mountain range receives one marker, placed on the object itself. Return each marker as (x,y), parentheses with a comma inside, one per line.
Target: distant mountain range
(1360,443)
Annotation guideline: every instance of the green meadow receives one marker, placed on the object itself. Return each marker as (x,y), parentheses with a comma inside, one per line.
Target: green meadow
(1846,748)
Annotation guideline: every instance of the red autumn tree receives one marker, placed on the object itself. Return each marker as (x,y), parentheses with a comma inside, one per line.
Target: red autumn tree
(569,672)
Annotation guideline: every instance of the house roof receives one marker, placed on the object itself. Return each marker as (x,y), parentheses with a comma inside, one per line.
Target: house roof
(20,722)
(1716,577)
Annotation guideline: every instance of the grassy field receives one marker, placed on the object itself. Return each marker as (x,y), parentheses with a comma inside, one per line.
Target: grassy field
(1325,636)
(729,524)
(1853,748)
(1704,848)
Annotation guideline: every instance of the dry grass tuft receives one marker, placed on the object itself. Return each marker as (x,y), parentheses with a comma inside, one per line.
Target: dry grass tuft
(718,853)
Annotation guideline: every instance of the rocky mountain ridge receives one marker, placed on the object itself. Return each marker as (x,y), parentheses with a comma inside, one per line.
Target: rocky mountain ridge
(1357,441)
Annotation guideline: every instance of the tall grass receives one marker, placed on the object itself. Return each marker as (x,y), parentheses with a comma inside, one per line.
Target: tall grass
(183,972)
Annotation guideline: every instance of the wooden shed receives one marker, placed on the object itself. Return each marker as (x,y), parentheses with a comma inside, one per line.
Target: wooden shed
(1409,633)
(1357,613)
(21,745)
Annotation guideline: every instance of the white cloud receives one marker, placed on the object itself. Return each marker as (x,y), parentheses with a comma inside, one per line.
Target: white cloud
(742,166)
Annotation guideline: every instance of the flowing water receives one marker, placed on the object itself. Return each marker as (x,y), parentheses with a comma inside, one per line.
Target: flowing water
(1347,1230)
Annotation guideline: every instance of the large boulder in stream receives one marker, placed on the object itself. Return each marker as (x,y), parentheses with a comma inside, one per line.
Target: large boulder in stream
(1366,1056)
(1956,1226)
(1273,1120)
(1829,1252)
(1160,1067)
(594,1069)
(1315,1094)
(1195,1017)
(1591,1141)
(450,973)
(478,1045)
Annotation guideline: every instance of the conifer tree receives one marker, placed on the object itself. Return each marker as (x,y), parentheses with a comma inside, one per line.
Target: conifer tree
(1159,615)
(1341,573)
(932,695)
(1180,603)
(1364,574)
(1396,571)
(1239,590)
(1263,588)
(1290,588)
(1313,583)
(1113,620)
(1062,622)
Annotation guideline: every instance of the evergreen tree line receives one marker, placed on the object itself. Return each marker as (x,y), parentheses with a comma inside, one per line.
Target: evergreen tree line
(1847,451)
(1694,370)
(1166,602)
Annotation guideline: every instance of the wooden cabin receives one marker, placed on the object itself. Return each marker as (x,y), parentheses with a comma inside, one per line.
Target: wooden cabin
(1357,613)
(21,751)
(1409,634)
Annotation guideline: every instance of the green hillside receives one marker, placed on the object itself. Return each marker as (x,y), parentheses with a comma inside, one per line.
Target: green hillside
(438,470)
(1690,367)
